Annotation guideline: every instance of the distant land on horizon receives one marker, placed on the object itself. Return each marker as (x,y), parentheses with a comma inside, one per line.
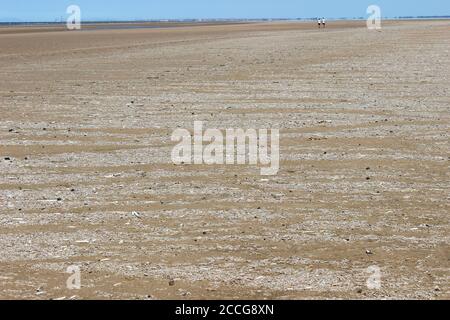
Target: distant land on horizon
(15,21)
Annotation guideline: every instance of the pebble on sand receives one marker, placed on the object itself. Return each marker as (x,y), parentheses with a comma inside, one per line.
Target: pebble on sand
(136,214)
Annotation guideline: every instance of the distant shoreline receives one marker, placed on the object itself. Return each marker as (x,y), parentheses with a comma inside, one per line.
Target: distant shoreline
(35,27)
(205,21)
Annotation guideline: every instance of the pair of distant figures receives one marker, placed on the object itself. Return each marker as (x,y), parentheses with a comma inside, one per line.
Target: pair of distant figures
(321,22)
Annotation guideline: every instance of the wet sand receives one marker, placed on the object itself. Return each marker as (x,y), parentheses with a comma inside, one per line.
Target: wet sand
(86,120)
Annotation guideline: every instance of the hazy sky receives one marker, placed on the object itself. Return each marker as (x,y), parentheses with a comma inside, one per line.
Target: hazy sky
(49,10)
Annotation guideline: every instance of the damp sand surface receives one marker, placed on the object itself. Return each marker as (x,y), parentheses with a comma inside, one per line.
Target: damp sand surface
(85,127)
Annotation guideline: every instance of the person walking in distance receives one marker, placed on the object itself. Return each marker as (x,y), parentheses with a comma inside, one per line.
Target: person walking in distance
(319,22)
(323,22)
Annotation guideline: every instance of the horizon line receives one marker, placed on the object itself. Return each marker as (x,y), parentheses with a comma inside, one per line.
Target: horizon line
(111,20)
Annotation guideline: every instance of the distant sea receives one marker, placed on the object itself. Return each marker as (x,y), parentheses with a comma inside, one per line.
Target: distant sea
(19,23)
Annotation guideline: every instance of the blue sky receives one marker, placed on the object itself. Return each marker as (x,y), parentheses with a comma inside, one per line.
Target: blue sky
(49,10)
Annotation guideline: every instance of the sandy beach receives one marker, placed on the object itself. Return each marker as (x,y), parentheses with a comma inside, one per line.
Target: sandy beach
(86,176)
